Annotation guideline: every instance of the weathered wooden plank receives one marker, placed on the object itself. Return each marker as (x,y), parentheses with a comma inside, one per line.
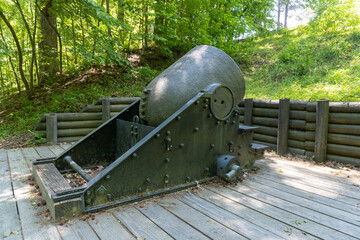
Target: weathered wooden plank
(9,219)
(107,226)
(30,155)
(198,220)
(77,230)
(333,203)
(170,224)
(318,182)
(223,209)
(34,226)
(313,227)
(315,170)
(44,152)
(51,176)
(303,202)
(56,149)
(316,216)
(228,218)
(65,146)
(139,225)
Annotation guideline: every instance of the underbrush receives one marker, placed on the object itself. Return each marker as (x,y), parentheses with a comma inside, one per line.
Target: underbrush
(303,65)
(18,115)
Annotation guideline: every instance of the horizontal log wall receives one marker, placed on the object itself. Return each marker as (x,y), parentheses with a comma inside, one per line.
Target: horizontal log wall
(70,127)
(343,128)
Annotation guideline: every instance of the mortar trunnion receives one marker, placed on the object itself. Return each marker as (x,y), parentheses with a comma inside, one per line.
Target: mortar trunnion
(147,153)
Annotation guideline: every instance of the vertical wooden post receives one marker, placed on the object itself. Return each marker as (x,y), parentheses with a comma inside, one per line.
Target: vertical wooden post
(321,131)
(248,109)
(283,126)
(105,109)
(51,128)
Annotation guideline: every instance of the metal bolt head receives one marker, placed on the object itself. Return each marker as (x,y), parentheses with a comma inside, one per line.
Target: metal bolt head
(157,135)
(166,176)
(167,160)
(206,106)
(206,100)
(168,133)
(134,155)
(236,114)
(148,180)
(233,122)
(212,145)
(108,177)
(178,117)
(231,143)
(181,145)
(88,193)
(196,129)
(210,115)
(217,122)
(197,102)
(188,178)
(109,196)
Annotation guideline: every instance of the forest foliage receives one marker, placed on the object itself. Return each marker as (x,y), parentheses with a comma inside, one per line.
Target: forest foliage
(62,55)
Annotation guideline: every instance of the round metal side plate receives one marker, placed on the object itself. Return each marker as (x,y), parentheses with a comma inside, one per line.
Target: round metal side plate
(222,102)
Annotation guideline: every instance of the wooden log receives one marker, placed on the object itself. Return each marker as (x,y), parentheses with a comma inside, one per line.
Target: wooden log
(344,129)
(92,108)
(262,121)
(265,112)
(307,145)
(264,138)
(283,126)
(78,116)
(298,105)
(344,107)
(321,131)
(311,107)
(51,129)
(242,103)
(120,100)
(271,145)
(70,139)
(105,109)
(342,159)
(302,152)
(301,135)
(74,132)
(241,119)
(259,103)
(344,118)
(352,140)
(241,110)
(248,112)
(118,108)
(301,125)
(343,150)
(266,130)
(303,115)
(79,124)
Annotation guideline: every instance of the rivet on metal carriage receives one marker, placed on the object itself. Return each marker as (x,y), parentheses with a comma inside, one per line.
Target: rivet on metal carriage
(185,130)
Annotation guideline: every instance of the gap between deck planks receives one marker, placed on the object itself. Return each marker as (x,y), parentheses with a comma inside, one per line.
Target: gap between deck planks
(269,205)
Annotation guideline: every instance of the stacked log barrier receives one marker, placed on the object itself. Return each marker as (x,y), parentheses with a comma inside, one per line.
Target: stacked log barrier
(343,128)
(70,127)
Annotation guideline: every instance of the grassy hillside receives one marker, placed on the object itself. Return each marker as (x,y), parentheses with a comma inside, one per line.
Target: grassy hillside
(302,64)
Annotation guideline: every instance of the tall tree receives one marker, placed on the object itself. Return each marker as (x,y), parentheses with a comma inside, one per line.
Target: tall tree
(48,46)
(20,56)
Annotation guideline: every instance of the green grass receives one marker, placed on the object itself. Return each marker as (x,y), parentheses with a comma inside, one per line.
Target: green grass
(303,65)
(18,115)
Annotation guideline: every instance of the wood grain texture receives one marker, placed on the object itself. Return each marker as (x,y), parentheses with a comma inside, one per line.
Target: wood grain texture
(139,225)
(170,224)
(77,230)
(107,226)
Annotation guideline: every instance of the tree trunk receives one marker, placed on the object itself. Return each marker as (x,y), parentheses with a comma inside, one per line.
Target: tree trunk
(159,20)
(278,14)
(74,38)
(2,82)
(108,12)
(48,48)
(146,30)
(15,75)
(286,14)
(33,50)
(23,78)
(121,18)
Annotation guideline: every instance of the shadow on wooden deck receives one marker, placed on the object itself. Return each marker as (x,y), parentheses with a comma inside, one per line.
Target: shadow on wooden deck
(283,200)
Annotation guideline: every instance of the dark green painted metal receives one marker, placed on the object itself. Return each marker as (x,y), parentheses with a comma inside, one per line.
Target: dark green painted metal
(197,69)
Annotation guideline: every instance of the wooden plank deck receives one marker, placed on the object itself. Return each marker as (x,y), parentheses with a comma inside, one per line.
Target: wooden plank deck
(283,200)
